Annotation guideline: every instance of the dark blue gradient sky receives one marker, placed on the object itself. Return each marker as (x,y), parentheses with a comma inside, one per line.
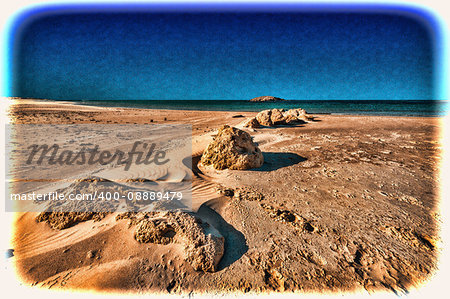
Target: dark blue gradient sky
(293,55)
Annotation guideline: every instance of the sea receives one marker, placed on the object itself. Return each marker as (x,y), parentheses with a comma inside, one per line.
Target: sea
(336,107)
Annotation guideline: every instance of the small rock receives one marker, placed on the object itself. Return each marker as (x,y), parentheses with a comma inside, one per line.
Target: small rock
(90,254)
(252,123)
(225,191)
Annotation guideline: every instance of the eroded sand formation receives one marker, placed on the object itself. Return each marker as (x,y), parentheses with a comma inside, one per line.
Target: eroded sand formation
(232,148)
(203,244)
(276,117)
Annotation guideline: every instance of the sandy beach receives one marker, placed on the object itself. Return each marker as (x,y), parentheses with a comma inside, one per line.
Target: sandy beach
(341,203)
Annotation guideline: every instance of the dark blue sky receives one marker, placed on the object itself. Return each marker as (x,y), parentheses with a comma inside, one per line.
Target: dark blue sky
(240,55)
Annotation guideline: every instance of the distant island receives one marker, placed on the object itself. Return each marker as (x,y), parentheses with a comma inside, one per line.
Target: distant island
(267,99)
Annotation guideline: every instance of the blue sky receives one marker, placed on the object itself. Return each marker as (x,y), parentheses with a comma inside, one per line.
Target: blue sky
(139,54)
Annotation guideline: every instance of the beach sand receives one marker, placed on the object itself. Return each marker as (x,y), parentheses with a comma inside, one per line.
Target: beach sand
(342,203)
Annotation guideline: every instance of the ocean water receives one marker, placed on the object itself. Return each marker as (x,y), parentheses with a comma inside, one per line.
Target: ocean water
(351,107)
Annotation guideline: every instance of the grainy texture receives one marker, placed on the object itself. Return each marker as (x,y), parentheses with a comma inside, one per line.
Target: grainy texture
(341,203)
(276,117)
(232,148)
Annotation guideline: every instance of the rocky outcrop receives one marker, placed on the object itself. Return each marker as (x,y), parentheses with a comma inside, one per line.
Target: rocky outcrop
(298,113)
(275,117)
(266,99)
(204,246)
(264,118)
(233,149)
(291,120)
(252,123)
(203,251)
(154,231)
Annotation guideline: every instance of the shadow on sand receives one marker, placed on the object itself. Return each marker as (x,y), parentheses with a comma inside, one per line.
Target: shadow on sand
(235,243)
(274,161)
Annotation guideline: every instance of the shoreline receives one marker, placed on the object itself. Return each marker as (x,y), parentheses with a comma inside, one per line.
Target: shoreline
(84,106)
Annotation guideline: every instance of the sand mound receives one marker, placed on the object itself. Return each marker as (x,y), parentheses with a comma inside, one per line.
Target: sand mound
(62,220)
(204,245)
(64,214)
(233,149)
(154,231)
(204,250)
